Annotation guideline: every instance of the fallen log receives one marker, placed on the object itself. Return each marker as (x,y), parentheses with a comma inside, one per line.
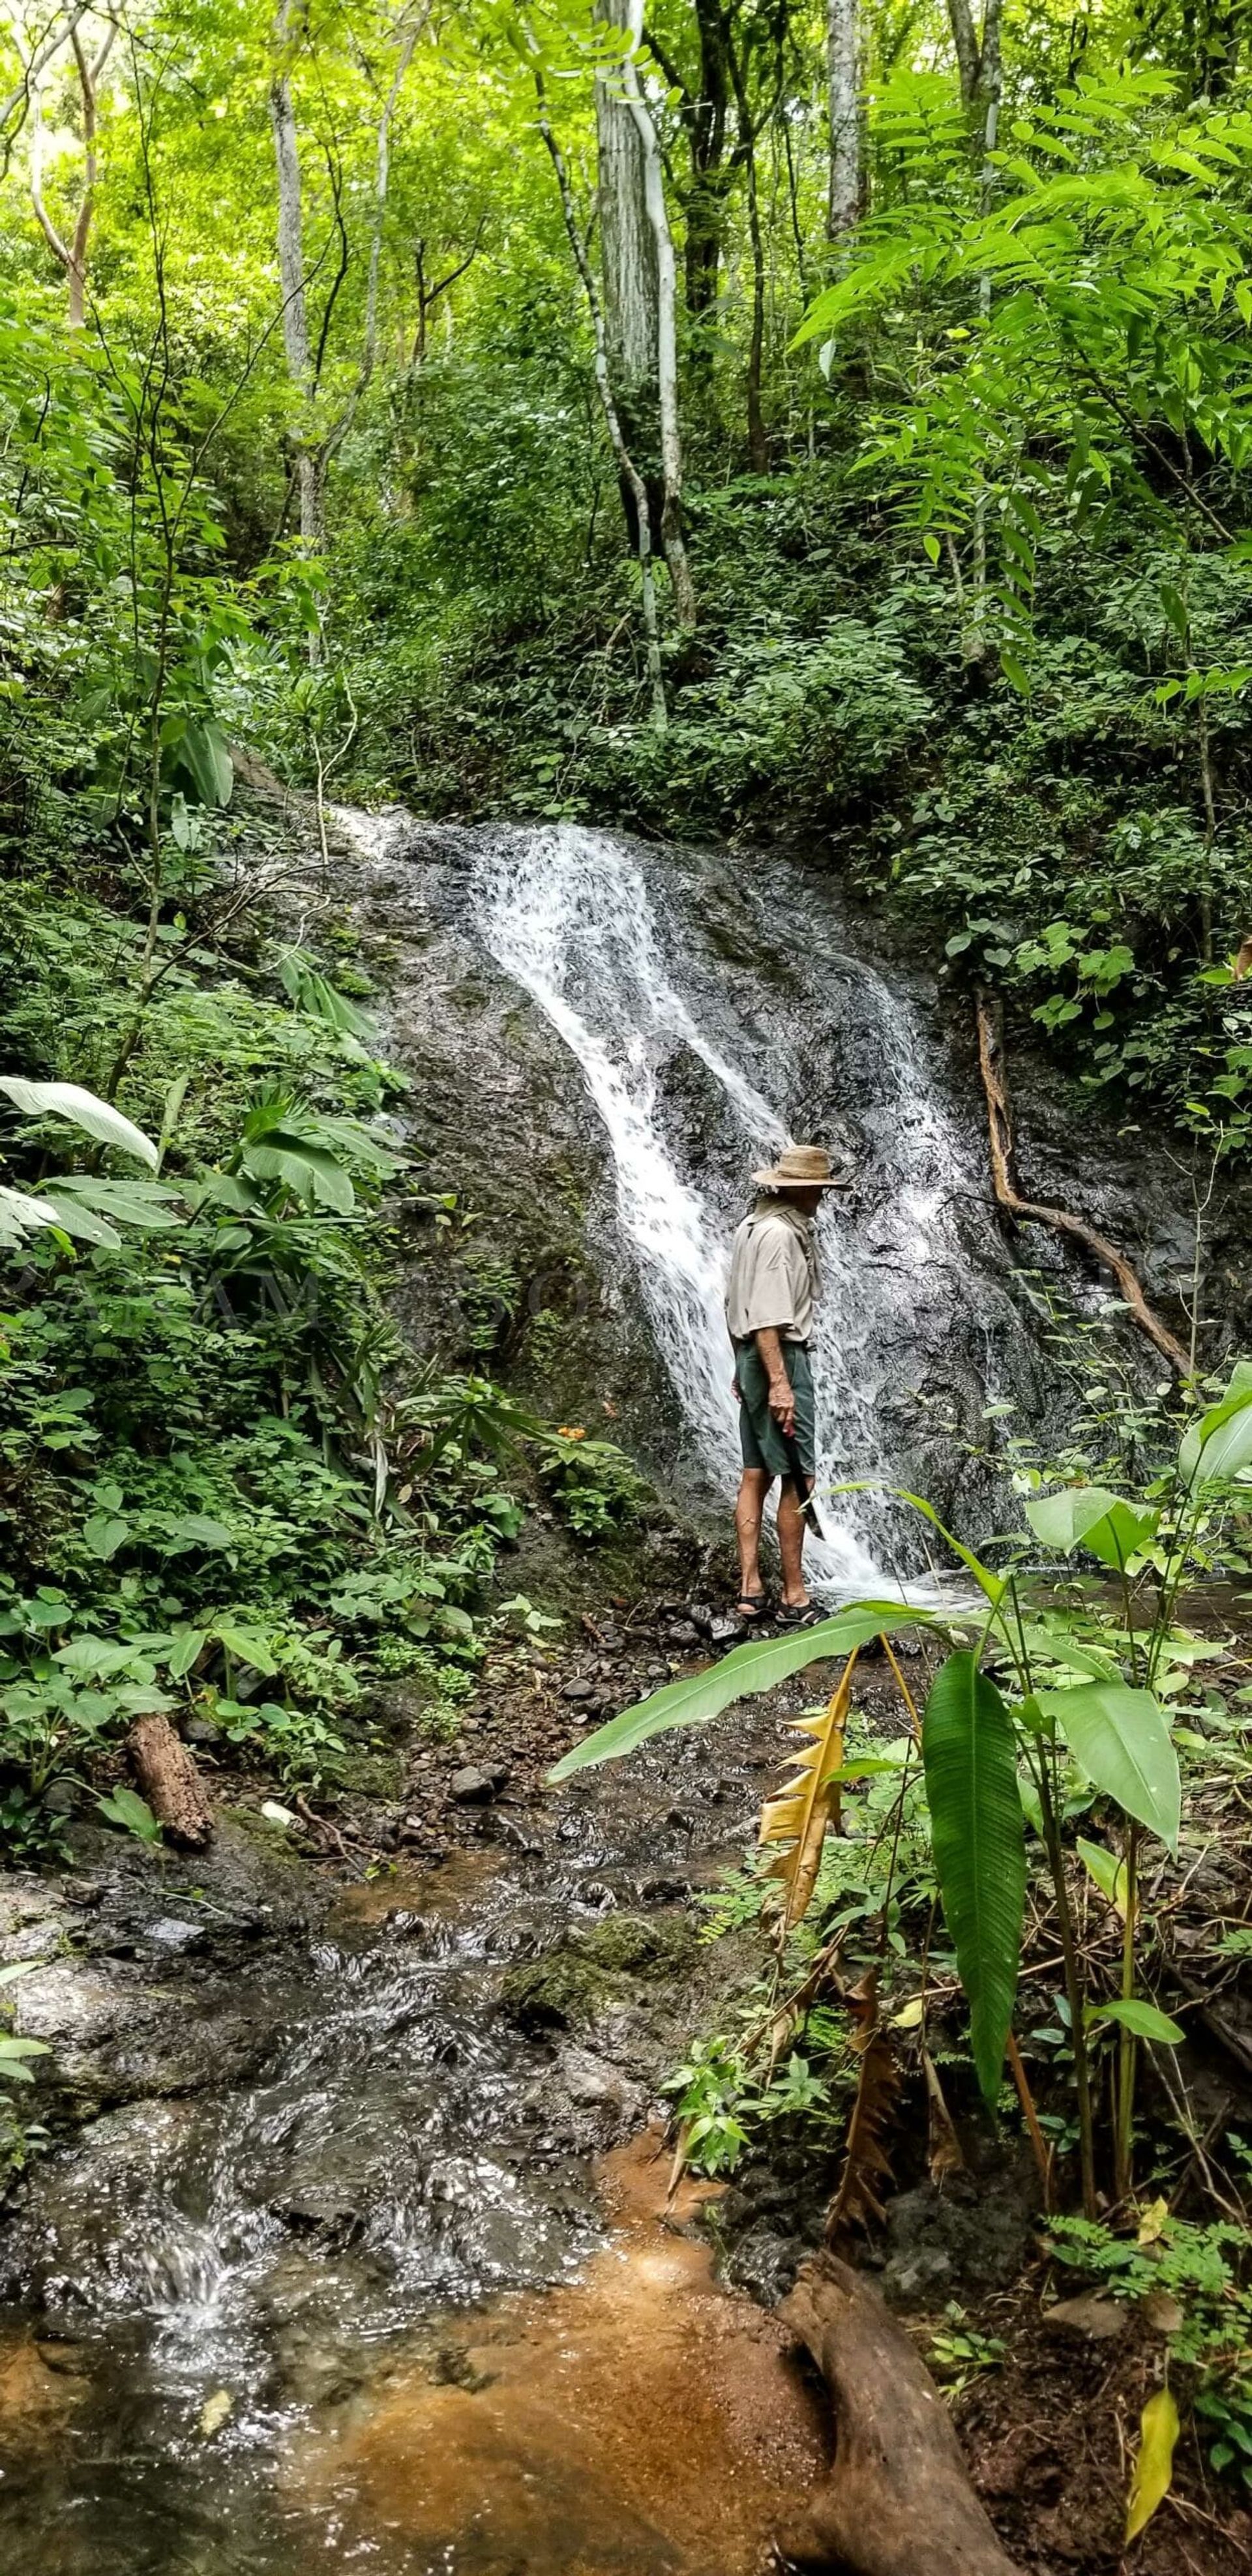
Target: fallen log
(1062,1221)
(898,2501)
(170,1781)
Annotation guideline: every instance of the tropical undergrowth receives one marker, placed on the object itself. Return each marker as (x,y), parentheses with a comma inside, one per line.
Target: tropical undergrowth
(228,1489)
(1003,1886)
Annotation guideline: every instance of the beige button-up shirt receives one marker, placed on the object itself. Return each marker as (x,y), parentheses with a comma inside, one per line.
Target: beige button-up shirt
(774,1274)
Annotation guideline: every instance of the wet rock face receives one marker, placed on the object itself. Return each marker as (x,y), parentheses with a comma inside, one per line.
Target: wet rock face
(777,992)
(137,1988)
(537,1290)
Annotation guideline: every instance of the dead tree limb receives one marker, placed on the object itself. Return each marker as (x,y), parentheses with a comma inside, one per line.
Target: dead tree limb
(898,2501)
(1009,1197)
(170,1781)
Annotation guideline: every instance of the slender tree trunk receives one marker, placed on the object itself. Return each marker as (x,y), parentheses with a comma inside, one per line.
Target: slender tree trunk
(291,273)
(628,246)
(667,340)
(382,168)
(626,467)
(966,47)
(72,255)
(843,72)
(758,443)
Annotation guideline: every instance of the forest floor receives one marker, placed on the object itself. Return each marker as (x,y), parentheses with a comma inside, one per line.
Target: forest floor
(1047,2404)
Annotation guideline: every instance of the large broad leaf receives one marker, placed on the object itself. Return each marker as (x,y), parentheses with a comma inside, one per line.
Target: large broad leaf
(21,1215)
(96,1117)
(1144,2020)
(81,1222)
(1219,1445)
(970,1757)
(145,1205)
(1122,1740)
(1091,1517)
(202,753)
(739,1675)
(308,1169)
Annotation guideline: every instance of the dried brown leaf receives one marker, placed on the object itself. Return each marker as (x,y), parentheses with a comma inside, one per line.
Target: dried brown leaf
(798,1816)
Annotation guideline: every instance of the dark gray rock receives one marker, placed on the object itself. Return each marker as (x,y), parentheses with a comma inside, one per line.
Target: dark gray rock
(578,1688)
(473,1787)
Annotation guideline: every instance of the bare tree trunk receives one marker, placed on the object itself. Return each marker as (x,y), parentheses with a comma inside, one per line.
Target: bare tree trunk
(966,47)
(843,46)
(628,247)
(625,463)
(667,339)
(72,255)
(758,443)
(291,271)
(382,169)
(898,2500)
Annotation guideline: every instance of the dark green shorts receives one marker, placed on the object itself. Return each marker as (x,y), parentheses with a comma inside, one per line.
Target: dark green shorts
(759,1436)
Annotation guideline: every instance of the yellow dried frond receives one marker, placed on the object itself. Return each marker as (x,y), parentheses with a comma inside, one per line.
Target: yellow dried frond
(798,1815)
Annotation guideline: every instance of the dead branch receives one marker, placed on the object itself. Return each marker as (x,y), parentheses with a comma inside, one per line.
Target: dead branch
(1062,1221)
(898,2501)
(170,1780)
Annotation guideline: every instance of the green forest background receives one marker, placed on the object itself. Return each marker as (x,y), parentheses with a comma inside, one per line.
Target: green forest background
(305,454)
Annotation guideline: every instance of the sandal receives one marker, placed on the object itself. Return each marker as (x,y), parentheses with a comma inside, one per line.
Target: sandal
(808,1616)
(750,1608)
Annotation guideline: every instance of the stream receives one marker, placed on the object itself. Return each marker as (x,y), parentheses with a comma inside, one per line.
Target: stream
(386,2282)
(406,2300)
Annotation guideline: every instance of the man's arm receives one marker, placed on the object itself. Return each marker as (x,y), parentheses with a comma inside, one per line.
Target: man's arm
(782,1403)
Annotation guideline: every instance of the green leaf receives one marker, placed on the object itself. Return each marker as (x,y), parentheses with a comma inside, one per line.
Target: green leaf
(305,1168)
(247,1645)
(1143,2019)
(145,1205)
(970,1756)
(739,1675)
(1219,1445)
(82,1223)
(1121,1738)
(1053,1644)
(103,1534)
(96,1117)
(126,1808)
(202,752)
(186,1647)
(1091,1517)
(1108,1872)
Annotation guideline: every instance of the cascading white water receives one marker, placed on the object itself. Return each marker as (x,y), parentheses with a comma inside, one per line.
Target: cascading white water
(566,913)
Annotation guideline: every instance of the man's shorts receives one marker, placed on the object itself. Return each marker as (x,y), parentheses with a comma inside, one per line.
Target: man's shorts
(760,1438)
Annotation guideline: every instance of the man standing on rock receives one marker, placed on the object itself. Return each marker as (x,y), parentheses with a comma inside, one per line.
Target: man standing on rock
(773,1288)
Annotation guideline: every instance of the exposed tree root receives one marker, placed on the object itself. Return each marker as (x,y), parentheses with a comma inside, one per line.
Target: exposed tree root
(170,1781)
(991,1061)
(898,2501)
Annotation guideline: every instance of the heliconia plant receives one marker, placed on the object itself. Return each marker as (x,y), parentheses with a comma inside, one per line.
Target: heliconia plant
(1021,1692)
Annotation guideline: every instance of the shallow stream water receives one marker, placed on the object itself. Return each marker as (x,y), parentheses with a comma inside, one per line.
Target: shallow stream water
(390,2304)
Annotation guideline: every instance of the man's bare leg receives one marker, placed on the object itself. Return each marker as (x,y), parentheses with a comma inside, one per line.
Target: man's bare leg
(791,1548)
(754,1485)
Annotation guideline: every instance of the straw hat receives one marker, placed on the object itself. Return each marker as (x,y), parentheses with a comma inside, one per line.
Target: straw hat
(802,1167)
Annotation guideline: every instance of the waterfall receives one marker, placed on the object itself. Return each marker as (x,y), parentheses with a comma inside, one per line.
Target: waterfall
(567,913)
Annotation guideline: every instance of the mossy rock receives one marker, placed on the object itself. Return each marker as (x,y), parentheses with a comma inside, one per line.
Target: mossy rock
(570,1986)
